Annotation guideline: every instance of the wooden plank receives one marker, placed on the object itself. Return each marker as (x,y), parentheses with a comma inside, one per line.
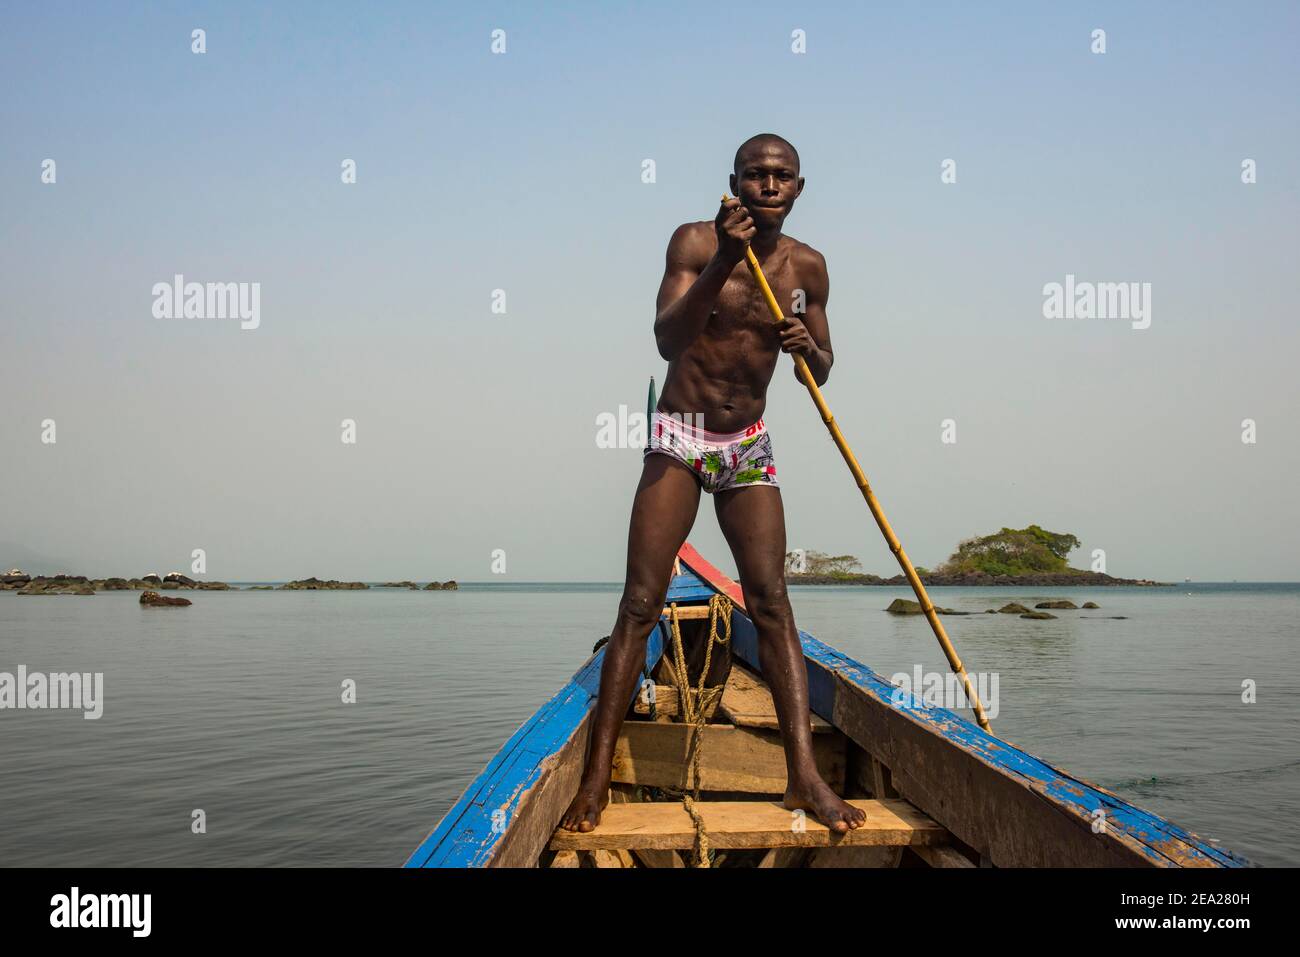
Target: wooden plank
(615,858)
(687,613)
(747,703)
(881,780)
(784,857)
(668,703)
(665,825)
(649,857)
(749,760)
(856,857)
(1003,802)
(941,856)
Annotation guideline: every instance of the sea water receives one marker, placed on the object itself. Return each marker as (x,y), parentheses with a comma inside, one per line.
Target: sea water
(228,737)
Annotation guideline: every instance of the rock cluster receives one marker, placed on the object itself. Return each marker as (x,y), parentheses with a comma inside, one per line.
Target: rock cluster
(55,585)
(81,585)
(151,599)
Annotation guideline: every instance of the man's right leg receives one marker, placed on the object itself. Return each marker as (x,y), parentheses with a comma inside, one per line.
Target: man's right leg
(662,515)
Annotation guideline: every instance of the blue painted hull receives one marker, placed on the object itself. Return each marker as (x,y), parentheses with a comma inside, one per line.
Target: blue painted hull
(1012,807)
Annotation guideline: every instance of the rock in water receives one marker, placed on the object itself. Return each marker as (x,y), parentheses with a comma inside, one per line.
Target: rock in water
(151,599)
(1037,615)
(1059,603)
(901,606)
(1013,608)
(1091,604)
(315,584)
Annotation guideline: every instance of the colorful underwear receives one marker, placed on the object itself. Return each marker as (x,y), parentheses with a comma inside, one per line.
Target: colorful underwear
(719,461)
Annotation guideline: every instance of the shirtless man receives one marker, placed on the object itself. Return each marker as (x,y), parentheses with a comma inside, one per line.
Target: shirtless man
(707,433)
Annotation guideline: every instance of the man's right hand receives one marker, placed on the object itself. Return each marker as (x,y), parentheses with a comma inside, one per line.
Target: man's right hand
(735,228)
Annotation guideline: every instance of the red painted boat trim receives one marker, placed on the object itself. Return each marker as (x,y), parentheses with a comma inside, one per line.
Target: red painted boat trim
(711,574)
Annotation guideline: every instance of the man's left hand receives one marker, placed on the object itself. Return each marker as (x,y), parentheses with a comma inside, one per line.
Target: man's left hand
(796,338)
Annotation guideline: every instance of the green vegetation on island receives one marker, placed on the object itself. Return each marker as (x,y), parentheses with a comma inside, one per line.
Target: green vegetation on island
(1013,552)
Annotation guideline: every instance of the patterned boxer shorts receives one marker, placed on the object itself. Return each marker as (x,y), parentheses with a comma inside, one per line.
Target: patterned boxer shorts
(719,461)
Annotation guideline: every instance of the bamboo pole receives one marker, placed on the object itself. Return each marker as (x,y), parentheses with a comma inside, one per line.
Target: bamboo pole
(860,477)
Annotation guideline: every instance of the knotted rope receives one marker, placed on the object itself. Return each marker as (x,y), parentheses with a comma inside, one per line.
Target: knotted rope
(694,705)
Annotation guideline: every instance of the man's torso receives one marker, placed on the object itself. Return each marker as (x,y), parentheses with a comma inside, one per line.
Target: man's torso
(724,374)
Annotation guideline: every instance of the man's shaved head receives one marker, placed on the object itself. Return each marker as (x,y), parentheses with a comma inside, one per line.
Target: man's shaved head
(761,142)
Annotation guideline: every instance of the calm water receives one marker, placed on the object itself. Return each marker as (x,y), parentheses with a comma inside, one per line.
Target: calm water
(233,706)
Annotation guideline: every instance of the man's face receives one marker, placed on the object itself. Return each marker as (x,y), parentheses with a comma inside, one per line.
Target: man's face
(767,181)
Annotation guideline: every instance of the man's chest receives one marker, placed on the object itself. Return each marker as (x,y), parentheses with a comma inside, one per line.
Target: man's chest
(740,304)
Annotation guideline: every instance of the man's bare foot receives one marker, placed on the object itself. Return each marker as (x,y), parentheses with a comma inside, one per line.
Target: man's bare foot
(816,795)
(584,813)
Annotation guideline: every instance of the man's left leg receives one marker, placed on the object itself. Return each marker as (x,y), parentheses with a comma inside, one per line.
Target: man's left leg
(753,520)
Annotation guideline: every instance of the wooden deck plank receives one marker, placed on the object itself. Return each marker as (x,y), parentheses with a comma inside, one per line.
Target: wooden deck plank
(665,825)
(649,857)
(750,760)
(747,703)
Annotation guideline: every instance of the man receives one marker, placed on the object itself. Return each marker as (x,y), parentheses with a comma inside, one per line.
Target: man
(707,433)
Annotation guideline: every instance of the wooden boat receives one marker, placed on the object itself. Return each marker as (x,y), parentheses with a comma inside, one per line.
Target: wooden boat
(938,791)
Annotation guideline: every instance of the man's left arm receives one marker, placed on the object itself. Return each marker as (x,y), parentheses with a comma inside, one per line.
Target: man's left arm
(809,335)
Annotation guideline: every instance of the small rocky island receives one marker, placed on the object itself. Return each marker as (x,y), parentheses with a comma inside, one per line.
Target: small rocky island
(315,584)
(63,584)
(1029,556)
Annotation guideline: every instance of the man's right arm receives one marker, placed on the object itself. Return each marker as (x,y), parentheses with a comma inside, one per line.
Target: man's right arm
(694,275)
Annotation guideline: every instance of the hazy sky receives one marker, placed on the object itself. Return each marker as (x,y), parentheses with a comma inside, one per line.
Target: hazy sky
(522,171)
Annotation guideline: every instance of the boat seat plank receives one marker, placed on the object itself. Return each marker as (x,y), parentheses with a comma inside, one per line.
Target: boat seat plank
(749,760)
(665,825)
(649,857)
(747,702)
